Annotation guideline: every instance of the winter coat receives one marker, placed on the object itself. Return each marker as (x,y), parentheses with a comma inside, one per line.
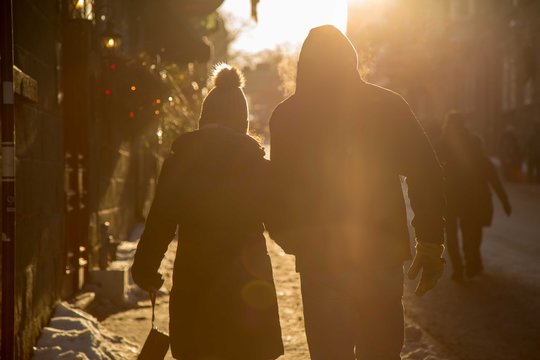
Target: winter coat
(223,302)
(470,175)
(338,148)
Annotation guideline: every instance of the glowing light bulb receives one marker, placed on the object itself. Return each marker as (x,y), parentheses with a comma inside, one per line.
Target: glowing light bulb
(159,134)
(110,43)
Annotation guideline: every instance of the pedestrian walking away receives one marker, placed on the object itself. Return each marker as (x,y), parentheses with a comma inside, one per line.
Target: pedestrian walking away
(470,176)
(338,148)
(223,301)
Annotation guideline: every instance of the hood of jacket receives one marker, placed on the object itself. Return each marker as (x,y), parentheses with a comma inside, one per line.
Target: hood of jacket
(327,61)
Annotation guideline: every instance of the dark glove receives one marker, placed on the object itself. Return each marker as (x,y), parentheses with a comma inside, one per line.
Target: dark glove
(150,282)
(428,259)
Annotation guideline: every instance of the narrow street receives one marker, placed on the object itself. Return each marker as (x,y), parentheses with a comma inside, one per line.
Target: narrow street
(134,324)
(497,315)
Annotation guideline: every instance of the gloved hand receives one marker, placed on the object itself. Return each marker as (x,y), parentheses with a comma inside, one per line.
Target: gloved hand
(428,259)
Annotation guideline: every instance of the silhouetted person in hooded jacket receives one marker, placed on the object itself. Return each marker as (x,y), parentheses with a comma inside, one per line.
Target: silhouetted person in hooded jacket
(338,148)
(223,302)
(470,176)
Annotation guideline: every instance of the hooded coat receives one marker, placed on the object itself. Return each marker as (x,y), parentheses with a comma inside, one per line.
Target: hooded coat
(223,303)
(338,148)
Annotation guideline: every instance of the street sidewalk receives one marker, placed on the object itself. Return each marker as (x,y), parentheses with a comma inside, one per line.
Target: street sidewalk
(495,315)
(134,324)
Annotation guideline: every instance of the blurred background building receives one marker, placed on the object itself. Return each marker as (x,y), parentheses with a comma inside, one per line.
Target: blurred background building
(479,57)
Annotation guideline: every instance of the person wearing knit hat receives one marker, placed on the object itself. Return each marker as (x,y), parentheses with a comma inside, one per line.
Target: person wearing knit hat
(226,103)
(212,189)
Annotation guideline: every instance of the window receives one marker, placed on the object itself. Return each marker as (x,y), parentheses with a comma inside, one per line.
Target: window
(81,9)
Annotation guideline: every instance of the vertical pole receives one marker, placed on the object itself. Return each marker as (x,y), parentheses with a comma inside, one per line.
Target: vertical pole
(8,181)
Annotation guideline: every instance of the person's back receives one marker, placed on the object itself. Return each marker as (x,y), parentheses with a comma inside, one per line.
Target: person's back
(469,174)
(348,173)
(338,148)
(216,170)
(464,173)
(470,177)
(223,302)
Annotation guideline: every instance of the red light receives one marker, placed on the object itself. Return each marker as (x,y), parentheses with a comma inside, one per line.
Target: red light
(113,66)
(107,92)
(131,114)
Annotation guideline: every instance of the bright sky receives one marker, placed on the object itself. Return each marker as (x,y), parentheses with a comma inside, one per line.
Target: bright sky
(283,21)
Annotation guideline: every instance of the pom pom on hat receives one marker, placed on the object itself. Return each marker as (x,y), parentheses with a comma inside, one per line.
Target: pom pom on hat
(227,76)
(226,103)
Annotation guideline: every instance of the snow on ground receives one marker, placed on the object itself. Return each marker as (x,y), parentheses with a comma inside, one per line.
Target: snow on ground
(74,334)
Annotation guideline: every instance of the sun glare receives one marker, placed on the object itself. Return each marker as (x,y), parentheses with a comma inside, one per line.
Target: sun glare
(283,21)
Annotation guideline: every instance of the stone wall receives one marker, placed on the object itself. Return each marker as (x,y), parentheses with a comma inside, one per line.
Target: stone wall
(122,165)
(39,173)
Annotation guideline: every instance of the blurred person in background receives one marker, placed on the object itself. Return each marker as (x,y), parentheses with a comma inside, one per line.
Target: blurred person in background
(223,302)
(470,176)
(338,148)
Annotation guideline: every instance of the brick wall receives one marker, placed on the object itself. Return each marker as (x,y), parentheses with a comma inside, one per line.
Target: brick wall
(39,170)
(122,166)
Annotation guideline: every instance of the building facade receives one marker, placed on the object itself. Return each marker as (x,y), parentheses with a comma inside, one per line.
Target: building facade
(478,57)
(92,101)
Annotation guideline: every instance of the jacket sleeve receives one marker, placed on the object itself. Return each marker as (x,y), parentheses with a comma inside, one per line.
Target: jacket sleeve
(278,220)
(419,164)
(159,231)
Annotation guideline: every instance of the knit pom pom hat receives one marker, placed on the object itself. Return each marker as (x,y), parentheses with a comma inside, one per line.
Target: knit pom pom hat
(226,103)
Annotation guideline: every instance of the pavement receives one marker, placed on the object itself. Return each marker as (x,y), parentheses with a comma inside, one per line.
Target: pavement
(134,324)
(494,316)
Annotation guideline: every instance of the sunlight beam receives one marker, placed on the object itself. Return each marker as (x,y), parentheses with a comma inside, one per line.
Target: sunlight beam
(283,21)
